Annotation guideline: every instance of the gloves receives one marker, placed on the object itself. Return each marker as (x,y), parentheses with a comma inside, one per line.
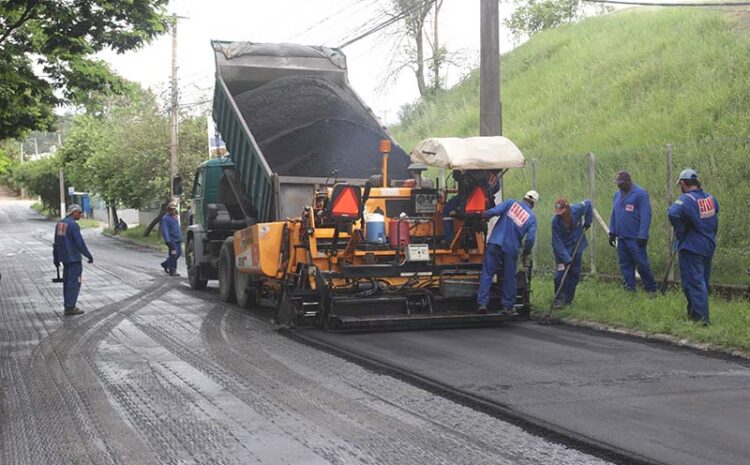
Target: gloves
(586,226)
(612,239)
(91,260)
(642,242)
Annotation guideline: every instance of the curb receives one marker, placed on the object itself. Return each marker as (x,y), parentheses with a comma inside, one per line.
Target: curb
(657,337)
(131,242)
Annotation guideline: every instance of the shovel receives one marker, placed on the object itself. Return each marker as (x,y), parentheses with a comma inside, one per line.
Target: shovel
(58,279)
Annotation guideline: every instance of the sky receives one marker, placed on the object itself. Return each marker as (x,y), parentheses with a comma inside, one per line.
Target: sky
(311,22)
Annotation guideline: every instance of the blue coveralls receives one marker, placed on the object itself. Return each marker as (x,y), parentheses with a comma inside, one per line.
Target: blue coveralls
(564,242)
(630,220)
(515,221)
(68,248)
(694,216)
(170,230)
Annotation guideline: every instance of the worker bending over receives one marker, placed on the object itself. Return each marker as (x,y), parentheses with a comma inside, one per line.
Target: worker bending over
(695,218)
(628,230)
(515,220)
(568,228)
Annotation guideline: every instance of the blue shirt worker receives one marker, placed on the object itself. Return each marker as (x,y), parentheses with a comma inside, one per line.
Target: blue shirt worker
(567,231)
(515,220)
(695,218)
(170,230)
(67,250)
(628,230)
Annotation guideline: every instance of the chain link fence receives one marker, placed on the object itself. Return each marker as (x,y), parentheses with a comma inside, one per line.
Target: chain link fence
(723,168)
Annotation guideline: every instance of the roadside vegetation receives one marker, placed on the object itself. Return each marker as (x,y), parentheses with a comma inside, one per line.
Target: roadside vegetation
(621,86)
(84,223)
(135,234)
(611,305)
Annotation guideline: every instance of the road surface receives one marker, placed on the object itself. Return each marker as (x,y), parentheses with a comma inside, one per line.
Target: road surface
(155,373)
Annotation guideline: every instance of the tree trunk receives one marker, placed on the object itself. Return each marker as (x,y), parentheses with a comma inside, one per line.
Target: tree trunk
(437,58)
(419,71)
(113,208)
(156,220)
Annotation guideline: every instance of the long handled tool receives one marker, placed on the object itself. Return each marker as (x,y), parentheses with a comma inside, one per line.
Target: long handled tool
(665,281)
(547,319)
(58,279)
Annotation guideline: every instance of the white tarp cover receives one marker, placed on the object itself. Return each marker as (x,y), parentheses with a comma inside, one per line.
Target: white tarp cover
(469,153)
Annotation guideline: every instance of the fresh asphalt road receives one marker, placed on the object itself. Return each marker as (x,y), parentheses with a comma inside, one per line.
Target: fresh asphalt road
(155,373)
(665,403)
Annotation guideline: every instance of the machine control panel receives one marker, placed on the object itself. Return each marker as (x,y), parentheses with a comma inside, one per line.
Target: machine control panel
(425,201)
(417,253)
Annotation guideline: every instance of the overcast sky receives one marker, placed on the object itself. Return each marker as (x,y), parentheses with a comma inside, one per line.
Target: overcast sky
(312,22)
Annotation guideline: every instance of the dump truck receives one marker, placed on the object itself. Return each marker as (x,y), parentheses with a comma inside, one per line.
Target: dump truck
(318,215)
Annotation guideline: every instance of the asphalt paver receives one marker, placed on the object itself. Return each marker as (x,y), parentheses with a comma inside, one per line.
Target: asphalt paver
(156,373)
(668,404)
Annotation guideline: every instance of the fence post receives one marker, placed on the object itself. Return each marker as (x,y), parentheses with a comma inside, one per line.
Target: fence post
(534,162)
(670,195)
(592,196)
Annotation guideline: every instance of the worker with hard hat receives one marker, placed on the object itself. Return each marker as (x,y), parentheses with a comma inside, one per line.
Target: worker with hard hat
(516,220)
(67,250)
(568,243)
(629,226)
(172,234)
(695,218)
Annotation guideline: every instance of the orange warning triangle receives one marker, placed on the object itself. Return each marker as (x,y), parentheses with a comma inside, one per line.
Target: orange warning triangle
(477,201)
(346,204)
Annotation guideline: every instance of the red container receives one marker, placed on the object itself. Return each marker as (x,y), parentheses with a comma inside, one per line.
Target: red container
(398,233)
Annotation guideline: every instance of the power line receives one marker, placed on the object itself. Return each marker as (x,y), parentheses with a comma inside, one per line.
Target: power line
(387,23)
(362,4)
(696,4)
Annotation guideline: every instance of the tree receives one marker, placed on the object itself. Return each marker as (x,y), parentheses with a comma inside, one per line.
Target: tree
(46,49)
(532,16)
(41,177)
(420,49)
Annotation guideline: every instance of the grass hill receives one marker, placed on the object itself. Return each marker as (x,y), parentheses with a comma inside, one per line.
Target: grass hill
(622,86)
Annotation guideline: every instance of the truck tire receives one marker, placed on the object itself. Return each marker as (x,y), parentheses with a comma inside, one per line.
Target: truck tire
(226,272)
(192,266)
(242,291)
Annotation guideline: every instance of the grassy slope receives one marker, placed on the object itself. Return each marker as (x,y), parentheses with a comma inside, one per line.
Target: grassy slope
(622,86)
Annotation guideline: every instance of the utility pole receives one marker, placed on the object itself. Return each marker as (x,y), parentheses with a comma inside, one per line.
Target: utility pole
(173,166)
(490,107)
(62,194)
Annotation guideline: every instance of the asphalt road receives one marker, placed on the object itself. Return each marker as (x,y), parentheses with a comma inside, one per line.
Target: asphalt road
(155,373)
(668,404)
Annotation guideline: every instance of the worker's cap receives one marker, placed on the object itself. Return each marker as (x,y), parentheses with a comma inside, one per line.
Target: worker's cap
(688,173)
(561,205)
(622,176)
(532,195)
(172,206)
(74,208)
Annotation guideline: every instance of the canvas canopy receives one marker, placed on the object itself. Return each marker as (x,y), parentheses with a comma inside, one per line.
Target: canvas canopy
(470,153)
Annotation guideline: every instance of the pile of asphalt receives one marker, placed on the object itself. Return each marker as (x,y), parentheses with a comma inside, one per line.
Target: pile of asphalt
(308,126)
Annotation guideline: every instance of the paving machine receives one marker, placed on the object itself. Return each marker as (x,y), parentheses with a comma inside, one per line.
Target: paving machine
(363,257)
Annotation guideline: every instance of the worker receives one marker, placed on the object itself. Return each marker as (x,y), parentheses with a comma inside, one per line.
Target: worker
(516,220)
(67,250)
(568,226)
(488,179)
(629,224)
(695,218)
(170,230)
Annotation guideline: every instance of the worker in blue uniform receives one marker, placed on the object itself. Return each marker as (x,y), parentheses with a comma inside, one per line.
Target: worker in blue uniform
(172,234)
(695,218)
(67,250)
(628,230)
(568,227)
(488,179)
(516,220)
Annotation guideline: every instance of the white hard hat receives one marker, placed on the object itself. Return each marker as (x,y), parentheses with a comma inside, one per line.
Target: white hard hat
(172,206)
(532,195)
(74,208)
